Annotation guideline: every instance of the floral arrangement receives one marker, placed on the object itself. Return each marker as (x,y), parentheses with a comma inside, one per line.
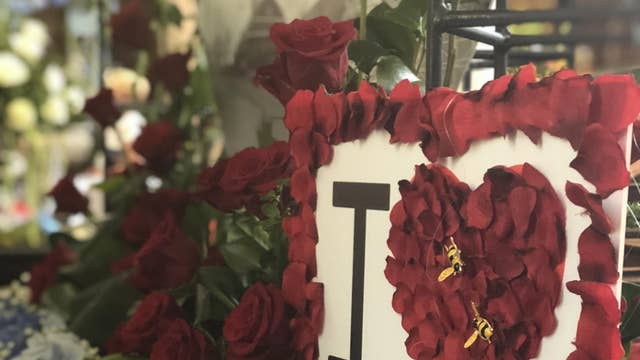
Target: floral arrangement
(218,262)
(37,100)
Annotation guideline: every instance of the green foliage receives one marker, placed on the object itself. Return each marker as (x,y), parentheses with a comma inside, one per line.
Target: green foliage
(59,298)
(107,304)
(630,325)
(393,42)
(391,70)
(255,249)
(95,257)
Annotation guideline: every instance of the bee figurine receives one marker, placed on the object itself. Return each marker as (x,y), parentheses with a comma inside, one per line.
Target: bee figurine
(482,328)
(453,253)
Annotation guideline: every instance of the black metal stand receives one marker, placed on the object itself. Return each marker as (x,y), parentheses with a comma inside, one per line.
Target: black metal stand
(441,20)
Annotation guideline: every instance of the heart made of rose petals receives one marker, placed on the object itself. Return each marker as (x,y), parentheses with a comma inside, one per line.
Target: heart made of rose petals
(511,232)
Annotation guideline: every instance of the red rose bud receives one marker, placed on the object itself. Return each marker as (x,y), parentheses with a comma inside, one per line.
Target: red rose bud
(68,198)
(259,327)
(147,212)
(181,341)
(152,318)
(102,108)
(171,71)
(45,273)
(159,144)
(311,53)
(131,25)
(251,173)
(167,259)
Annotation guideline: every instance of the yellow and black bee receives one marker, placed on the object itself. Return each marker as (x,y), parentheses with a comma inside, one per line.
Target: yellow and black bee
(454,254)
(482,328)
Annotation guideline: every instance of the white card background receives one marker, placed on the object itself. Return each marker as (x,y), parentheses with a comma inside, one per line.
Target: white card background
(374,160)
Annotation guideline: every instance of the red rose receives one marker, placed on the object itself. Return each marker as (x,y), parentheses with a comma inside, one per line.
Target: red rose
(311,53)
(68,198)
(130,26)
(45,273)
(171,71)
(251,173)
(168,258)
(183,342)
(258,329)
(153,317)
(102,108)
(159,144)
(148,211)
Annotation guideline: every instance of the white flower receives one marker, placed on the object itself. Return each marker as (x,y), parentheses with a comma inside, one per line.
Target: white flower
(27,49)
(36,31)
(53,346)
(53,78)
(127,85)
(55,110)
(13,71)
(129,125)
(15,164)
(75,97)
(21,114)
(31,41)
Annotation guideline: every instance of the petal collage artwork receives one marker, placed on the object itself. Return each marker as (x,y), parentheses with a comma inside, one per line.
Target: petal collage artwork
(508,233)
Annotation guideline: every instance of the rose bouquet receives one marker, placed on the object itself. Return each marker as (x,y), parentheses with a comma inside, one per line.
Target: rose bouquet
(216,260)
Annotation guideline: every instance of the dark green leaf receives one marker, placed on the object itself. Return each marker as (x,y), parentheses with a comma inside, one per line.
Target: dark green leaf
(223,286)
(123,357)
(397,39)
(242,256)
(630,325)
(196,221)
(408,14)
(109,306)
(365,54)
(96,256)
(59,298)
(204,309)
(391,70)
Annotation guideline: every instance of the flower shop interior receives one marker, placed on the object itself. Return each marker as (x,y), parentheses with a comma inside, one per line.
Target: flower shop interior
(335,179)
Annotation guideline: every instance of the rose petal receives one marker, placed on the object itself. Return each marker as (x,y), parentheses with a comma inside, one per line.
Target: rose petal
(600,161)
(578,195)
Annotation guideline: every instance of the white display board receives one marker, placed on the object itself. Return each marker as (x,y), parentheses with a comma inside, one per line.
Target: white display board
(376,161)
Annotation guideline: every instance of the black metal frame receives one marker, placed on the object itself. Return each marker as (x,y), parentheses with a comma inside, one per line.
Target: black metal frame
(441,20)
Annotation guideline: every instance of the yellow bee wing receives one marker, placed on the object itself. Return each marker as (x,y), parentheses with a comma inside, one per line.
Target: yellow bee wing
(471,340)
(445,274)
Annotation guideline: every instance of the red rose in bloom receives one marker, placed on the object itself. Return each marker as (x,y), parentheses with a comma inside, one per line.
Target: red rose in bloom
(310,53)
(168,258)
(159,144)
(171,71)
(510,231)
(102,108)
(147,212)
(258,329)
(153,317)
(181,341)
(68,198)
(249,174)
(45,273)
(131,25)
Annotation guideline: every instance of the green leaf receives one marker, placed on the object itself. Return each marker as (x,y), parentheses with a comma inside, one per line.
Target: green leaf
(408,14)
(96,256)
(59,298)
(242,256)
(123,357)
(204,308)
(223,286)
(399,30)
(365,54)
(109,306)
(391,70)
(630,325)
(196,221)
